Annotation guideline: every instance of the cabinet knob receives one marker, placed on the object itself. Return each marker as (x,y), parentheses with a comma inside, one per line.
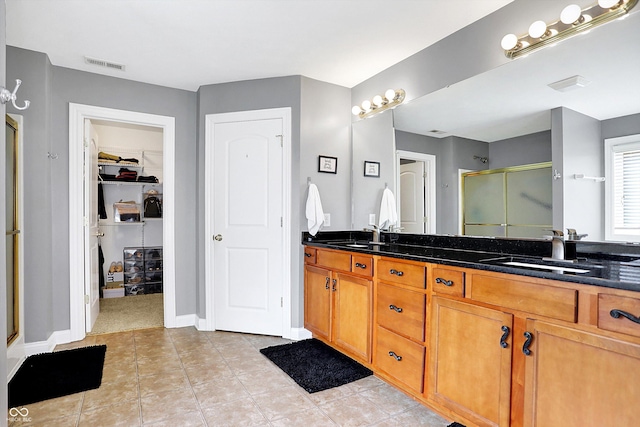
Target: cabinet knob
(359,265)
(217,237)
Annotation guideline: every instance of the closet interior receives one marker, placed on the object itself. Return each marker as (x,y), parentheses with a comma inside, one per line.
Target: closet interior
(130,163)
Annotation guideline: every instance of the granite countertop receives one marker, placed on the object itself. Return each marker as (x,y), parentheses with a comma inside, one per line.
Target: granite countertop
(612,266)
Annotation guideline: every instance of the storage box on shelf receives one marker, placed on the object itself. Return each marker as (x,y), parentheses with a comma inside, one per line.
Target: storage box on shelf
(142,270)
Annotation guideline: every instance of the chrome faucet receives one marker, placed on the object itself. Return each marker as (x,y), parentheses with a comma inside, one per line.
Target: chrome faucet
(557,245)
(376,233)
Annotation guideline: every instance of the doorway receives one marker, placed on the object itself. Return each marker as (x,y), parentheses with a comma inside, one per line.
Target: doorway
(247,192)
(416,191)
(80,282)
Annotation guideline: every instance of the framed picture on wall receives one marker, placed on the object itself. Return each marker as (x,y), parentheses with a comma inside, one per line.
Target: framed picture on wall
(327,164)
(372,169)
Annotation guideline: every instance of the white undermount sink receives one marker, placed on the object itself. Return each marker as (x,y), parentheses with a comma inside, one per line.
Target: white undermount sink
(547,267)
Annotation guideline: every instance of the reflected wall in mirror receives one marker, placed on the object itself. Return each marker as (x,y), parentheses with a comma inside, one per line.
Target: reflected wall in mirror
(511,116)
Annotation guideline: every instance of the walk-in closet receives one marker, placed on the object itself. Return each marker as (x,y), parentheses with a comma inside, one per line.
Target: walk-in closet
(130,165)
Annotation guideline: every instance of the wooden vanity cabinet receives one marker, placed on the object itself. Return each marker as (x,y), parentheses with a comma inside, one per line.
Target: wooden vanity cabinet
(338,301)
(400,301)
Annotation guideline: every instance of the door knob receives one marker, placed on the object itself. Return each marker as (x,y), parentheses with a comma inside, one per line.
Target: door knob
(217,237)
(99,234)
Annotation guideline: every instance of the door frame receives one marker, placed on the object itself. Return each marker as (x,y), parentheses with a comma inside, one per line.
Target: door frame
(210,121)
(77,115)
(429,161)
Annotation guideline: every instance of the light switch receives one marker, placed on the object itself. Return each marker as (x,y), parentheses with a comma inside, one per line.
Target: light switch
(327,220)
(372,219)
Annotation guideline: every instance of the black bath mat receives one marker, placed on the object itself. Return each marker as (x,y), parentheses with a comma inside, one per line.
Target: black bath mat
(314,365)
(49,375)
(456,424)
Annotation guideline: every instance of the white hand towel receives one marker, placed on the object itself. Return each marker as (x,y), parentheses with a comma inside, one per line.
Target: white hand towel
(388,212)
(314,212)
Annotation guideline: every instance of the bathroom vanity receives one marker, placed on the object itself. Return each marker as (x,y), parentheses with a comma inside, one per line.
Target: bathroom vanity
(483,330)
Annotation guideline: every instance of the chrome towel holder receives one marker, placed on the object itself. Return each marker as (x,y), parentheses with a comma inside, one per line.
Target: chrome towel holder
(6,96)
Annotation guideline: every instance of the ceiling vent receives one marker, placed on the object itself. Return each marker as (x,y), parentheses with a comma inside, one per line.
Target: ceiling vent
(103,63)
(437,133)
(570,83)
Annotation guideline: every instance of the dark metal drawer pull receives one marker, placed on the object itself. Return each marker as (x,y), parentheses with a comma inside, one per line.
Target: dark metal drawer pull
(527,343)
(396,272)
(617,313)
(308,255)
(397,309)
(395,356)
(333,286)
(503,338)
(444,282)
(358,265)
(326,283)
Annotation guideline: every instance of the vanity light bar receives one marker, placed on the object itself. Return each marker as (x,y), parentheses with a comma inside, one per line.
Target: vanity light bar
(573,20)
(392,98)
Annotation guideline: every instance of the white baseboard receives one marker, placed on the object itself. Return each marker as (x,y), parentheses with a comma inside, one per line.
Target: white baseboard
(186,320)
(298,334)
(57,337)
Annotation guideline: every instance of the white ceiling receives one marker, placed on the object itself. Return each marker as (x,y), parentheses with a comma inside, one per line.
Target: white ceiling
(188,43)
(514,99)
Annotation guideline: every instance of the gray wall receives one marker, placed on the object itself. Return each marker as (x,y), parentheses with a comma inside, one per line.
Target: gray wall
(3,270)
(620,126)
(522,150)
(46,191)
(372,140)
(577,149)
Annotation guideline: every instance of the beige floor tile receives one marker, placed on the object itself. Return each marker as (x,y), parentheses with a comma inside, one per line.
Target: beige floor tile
(250,365)
(204,373)
(309,418)
(120,355)
(236,414)
(335,393)
(190,346)
(68,421)
(418,416)
(150,384)
(192,419)
(113,372)
(365,383)
(167,404)
(162,349)
(120,414)
(87,342)
(42,412)
(265,382)
(220,391)
(207,356)
(354,411)
(262,341)
(159,364)
(282,402)
(389,399)
(123,390)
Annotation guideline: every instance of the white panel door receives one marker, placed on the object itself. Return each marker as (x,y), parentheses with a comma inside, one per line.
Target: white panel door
(412,207)
(92,231)
(247,226)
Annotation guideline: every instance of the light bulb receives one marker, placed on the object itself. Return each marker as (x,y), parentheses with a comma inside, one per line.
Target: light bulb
(356,110)
(377,100)
(570,14)
(538,29)
(366,105)
(509,41)
(608,4)
(390,94)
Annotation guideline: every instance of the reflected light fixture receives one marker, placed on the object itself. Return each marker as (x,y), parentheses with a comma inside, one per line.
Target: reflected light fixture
(573,20)
(392,98)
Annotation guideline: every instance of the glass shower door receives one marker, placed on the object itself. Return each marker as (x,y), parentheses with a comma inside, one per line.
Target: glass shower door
(12,229)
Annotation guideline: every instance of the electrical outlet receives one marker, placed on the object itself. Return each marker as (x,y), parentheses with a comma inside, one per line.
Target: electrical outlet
(327,220)
(372,219)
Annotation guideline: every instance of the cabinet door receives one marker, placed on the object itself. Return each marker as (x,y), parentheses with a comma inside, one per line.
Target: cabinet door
(579,379)
(470,361)
(353,309)
(317,301)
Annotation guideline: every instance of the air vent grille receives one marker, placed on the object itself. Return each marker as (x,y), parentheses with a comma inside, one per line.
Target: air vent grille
(103,63)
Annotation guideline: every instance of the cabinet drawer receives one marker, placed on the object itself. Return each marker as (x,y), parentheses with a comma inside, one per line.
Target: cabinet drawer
(334,260)
(402,273)
(401,311)
(549,301)
(624,308)
(309,255)
(448,282)
(400,358)
(362,264)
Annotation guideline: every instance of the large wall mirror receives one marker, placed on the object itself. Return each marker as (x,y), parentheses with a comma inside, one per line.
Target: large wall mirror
(510,116)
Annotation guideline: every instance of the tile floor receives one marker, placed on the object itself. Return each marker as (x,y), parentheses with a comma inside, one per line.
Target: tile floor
(183,377)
